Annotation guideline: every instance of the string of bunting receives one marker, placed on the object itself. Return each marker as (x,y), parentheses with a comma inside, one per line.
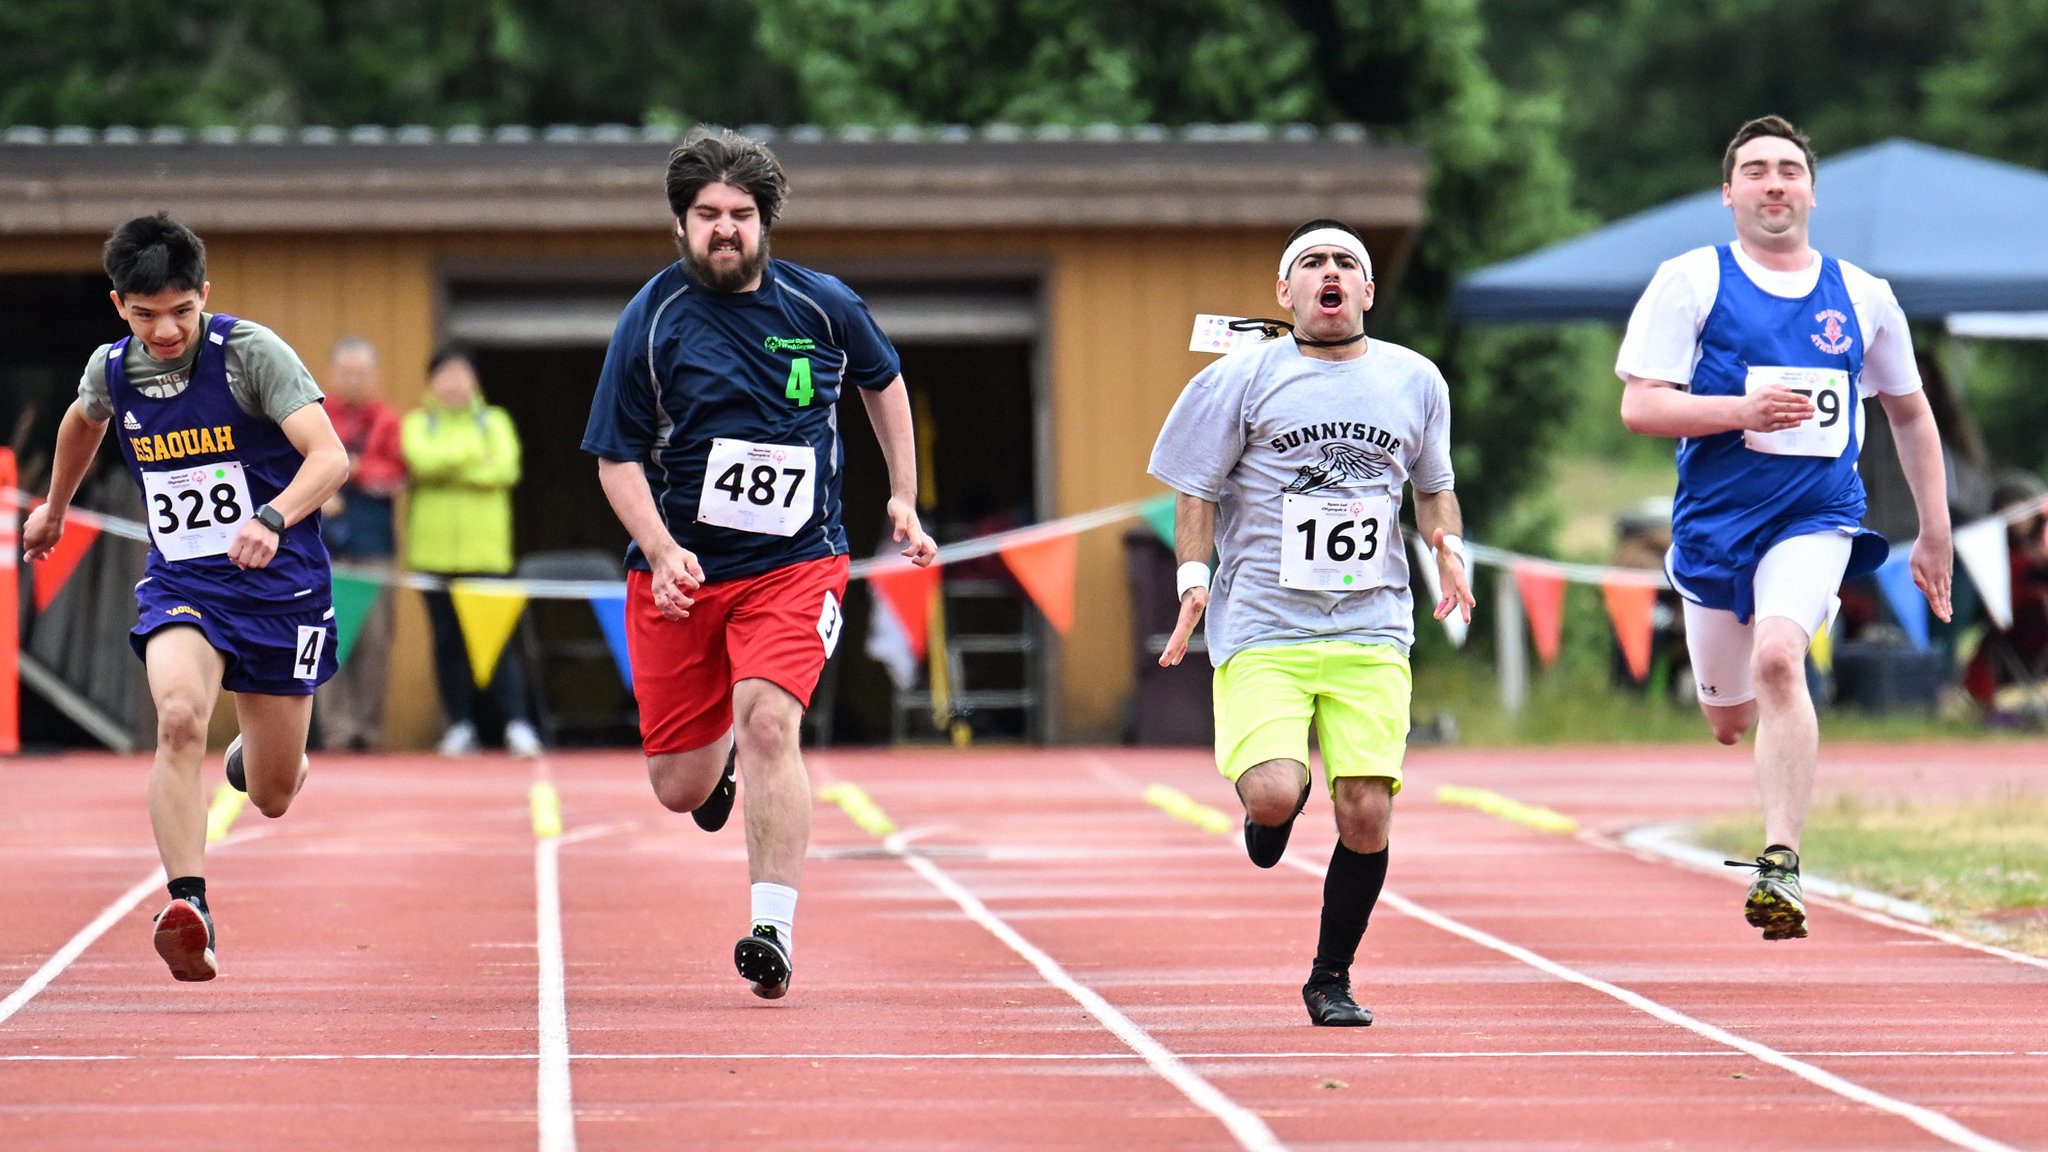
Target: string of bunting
(1042,557)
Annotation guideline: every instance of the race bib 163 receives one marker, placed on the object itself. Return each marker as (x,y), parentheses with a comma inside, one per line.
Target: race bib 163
(1336,543)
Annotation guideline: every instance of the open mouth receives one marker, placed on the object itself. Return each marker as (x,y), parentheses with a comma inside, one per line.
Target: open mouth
(725,248)
(1331,297)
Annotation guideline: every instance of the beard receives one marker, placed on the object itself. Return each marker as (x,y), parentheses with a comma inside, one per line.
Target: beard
(737,278)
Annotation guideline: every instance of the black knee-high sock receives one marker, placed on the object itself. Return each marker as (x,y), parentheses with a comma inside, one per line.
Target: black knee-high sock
(1350,889)
(191,888)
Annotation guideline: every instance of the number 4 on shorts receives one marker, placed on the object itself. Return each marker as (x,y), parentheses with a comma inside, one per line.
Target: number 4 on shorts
(312,641)
(799,388)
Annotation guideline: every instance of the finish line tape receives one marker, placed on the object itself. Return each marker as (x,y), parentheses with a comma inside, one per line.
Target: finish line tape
(546,805)
(858,808)
(1187,810)
(222,813)
(1495,804)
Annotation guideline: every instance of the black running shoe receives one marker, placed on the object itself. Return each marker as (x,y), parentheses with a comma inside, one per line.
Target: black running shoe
(764,961)
(184,938)
(238,779)
(1266,843)
(1776,902)
(1330,1004)
(712,813)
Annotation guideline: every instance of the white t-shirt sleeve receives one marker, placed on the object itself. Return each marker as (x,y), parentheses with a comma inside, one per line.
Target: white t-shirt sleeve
(1204,435)
(1431,472)
(1888,363)
(1662,342)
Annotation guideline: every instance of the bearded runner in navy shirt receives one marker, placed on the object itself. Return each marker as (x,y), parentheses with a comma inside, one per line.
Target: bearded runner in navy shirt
(222,428)
(1757,355)
(716,428)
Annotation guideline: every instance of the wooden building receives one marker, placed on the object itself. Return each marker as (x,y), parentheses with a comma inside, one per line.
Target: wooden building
(1041,286)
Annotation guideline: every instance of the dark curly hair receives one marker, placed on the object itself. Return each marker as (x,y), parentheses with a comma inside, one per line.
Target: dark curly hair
(722,156)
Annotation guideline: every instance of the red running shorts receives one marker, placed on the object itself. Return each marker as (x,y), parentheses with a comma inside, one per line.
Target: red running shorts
(779,626)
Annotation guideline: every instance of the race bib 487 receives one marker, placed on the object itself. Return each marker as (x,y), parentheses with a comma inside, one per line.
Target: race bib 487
(765,488)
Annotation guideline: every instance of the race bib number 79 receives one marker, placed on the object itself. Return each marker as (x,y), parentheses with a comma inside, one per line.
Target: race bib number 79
(1336,543)
(1826,432)
(765,488)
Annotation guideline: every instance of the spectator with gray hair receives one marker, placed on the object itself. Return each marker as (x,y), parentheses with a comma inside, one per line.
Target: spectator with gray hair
(356,523)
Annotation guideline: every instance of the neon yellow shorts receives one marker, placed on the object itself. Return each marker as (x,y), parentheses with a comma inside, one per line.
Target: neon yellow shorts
(1357,695)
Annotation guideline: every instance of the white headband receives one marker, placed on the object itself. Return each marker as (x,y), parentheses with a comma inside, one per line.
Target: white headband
(1336,238)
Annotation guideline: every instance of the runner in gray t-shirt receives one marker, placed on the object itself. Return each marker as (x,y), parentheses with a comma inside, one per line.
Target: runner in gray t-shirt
(1290,458)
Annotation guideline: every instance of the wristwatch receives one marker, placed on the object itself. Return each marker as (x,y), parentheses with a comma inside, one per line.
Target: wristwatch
(271,518)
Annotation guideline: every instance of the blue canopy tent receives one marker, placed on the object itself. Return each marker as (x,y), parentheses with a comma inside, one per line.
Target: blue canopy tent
(1953,233)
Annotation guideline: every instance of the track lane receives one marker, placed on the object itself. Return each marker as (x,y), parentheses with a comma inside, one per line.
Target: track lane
(1472,993)
(378,916)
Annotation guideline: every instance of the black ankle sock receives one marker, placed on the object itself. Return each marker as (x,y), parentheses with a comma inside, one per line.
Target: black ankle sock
(1350,889)
(191,888)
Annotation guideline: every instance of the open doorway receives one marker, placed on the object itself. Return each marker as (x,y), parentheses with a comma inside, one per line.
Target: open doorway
(75,652)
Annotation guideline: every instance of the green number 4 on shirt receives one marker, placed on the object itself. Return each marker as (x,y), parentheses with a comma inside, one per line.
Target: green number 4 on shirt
(799,388)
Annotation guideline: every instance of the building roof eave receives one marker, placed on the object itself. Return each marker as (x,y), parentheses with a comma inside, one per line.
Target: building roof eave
(50,189)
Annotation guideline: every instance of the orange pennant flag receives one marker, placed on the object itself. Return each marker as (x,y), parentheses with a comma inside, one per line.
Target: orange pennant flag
(56,568)
(1631,606)
(1543,601)
(1046,570)
(909,590)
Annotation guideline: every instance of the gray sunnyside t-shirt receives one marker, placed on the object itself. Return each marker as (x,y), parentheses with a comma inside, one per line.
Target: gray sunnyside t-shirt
(1265,422)
(265,375)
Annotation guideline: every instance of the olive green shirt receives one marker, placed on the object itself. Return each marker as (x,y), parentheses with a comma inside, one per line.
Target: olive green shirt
(268,378)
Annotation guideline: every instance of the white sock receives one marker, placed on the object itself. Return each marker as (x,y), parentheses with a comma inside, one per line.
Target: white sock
(775,905)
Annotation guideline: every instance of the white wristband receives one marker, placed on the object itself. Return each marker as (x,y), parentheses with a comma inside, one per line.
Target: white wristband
(1193,574)
(1455,545)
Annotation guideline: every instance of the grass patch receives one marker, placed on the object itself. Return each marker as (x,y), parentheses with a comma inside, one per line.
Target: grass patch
(1575,703)
(1982,866)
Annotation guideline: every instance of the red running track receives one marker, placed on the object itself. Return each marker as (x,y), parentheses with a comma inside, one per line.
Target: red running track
(1040,960)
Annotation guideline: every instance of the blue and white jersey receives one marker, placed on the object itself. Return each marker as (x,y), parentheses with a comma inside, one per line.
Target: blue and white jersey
(1739,492)
(204,467)
(728,402)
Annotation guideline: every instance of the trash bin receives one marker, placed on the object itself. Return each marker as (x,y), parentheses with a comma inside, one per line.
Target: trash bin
(1888,677)
(1168,705)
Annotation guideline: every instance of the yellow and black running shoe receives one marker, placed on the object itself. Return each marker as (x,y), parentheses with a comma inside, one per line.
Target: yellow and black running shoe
(1776,904)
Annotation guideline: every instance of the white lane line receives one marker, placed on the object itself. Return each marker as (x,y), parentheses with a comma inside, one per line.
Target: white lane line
(1924,1118)
(1016,1057)
(1664,844)
(1244,1124)
(62,958)
(108,917)
(557,1110)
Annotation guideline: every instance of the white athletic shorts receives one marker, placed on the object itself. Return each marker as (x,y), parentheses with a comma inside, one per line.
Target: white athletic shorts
(1797,579)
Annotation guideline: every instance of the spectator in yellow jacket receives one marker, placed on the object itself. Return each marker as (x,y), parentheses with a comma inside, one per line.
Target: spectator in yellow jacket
(463,457)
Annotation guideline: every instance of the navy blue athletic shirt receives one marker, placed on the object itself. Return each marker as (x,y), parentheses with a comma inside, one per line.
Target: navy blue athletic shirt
(688,366)
(176,449)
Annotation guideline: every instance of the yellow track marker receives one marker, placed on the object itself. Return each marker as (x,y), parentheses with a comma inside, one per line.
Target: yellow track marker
(222,813)
(858,808)
(1495,804)
(1188,810)
(546,805)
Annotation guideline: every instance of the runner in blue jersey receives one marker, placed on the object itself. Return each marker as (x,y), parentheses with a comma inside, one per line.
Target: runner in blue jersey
(1757,355)
(223,430)
(717,433)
